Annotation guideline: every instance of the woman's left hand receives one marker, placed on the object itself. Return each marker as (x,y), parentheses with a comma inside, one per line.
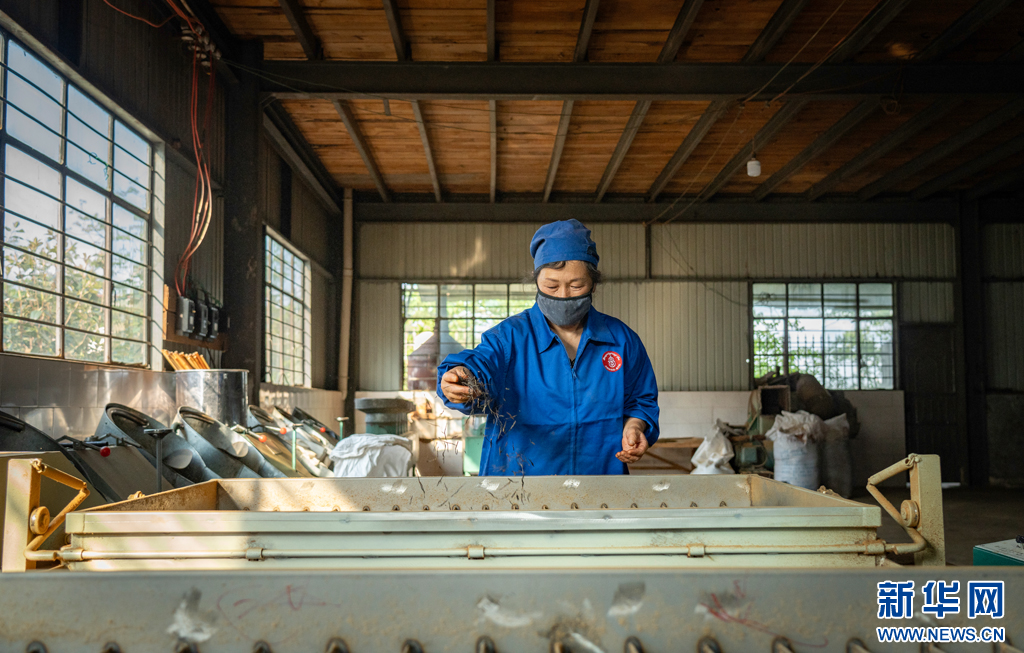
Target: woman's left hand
(634,442)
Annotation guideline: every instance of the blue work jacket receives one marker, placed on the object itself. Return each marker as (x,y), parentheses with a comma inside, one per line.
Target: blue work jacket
(545,416)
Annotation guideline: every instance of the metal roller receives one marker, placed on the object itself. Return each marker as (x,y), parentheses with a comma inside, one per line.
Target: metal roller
(182,461)
(228,455)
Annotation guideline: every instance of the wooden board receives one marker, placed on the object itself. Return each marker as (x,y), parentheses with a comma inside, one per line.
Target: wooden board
(538,30)
(816,30)
(955,122)
(733,130)
(460,139)
(594,131)
(725,29)
(395,144)
(526,134)
(664,128)
(814,119)
(326,134)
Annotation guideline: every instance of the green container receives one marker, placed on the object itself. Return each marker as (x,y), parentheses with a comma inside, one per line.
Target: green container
(473,446)
(999,554)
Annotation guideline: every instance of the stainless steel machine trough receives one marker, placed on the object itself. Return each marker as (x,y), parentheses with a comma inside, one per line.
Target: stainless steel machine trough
(480,523)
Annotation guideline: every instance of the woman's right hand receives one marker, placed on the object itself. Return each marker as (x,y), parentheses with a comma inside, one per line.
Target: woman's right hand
(453,385)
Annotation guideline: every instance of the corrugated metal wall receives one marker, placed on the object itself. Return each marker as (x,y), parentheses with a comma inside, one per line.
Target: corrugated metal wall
(1004,302)
(485,251)
(324,336)
(1004,251)
(745,251)
(926,301)
(378,337)
(1004,305)
(696,334)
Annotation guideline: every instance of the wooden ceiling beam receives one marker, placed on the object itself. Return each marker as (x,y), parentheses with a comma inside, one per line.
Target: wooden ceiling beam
(969,169)
(492,38)
(691,82)
(297,151)
(927,159)
(417,112)
(879,18)
(961,30)
(921,121)
(492,107)
(303,30)
(997,183)
(676,37)
(579,55)
(777,25)
(586,29)
(827,139)
(394,19)
(764,136)
(345,113)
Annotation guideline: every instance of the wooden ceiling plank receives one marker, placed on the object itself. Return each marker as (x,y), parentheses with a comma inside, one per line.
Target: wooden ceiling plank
(964,27)
(764,136)
(778,25)
(586,29)
(676,37)
(868,29)
(897,137)
(397,34)
(689,144)
(303,30)
(1002,180)
(847,123)
(579,55)
(418,114)
(492,107)
(969,169)
(356,134)
(1008,112)
(492,39)
(556,151)
(297,151)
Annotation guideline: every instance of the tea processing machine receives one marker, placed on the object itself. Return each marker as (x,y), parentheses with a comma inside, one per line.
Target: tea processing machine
(634,563)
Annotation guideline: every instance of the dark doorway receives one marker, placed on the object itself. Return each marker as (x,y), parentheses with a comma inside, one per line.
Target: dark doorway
(928,379)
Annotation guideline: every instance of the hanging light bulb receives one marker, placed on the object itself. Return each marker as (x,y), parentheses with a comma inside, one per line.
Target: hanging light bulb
(753,166)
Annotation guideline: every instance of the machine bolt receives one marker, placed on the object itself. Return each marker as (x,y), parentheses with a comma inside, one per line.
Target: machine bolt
(261,647)
(485,645)
(412,646)
(39,520)
(708,644)
(35,647)
(781,645)
(911,513)
(110,647)
(185,646)
(633,645)
(336,645)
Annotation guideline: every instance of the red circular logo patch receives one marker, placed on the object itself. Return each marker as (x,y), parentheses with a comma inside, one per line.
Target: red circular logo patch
(612,361)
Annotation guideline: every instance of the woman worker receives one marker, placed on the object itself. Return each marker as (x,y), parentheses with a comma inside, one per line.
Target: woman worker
(566,389)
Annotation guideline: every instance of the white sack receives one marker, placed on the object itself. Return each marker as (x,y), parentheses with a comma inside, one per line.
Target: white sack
(836,466)
(713,455)
(367,455)
(796,437)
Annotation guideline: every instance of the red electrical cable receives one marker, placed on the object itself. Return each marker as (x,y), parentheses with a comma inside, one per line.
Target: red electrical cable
(138,18)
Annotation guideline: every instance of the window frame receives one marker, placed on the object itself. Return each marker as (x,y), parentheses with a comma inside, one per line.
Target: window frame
(151,309)
(307,292)
(437,318)
(894,283)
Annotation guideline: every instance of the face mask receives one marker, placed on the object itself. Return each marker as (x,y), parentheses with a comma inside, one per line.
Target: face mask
(564,312)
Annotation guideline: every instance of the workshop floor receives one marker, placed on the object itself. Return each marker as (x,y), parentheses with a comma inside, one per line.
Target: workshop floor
(972,516)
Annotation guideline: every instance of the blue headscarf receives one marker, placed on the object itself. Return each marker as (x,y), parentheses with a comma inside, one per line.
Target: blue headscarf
(565,240)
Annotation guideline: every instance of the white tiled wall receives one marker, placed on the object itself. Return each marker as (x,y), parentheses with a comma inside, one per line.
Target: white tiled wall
(325,405)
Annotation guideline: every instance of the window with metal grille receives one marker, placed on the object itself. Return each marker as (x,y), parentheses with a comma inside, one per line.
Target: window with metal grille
(438,320)
(842,333)
(287,281)
(76,194)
